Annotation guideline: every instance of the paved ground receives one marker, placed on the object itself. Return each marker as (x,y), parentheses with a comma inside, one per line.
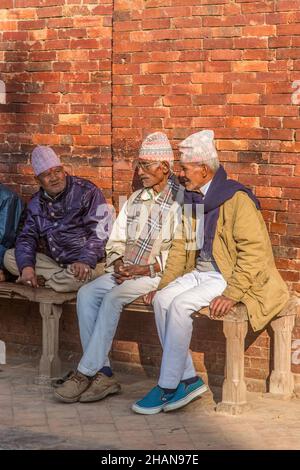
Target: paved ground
(30,418)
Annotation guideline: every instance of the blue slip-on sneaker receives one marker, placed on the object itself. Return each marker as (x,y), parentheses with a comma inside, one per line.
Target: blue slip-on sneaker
(184,394)
(153,402)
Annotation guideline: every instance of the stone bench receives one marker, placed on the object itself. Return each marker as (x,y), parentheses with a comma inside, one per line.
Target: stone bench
(50,307)
(235,327)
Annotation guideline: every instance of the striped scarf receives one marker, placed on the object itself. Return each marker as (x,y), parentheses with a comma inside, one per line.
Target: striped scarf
(139,250)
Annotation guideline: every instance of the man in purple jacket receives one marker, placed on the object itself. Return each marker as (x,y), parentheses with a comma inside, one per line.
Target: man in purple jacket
(58,246)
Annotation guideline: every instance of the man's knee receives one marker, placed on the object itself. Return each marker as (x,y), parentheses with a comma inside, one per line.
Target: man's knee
(179,304)
(9,261)
(91,290)
(82,294)
(86,294)
(161,300)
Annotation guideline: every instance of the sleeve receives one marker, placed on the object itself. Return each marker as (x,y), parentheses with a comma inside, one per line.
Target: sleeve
(11,209)
(250,245)
(116,244)
(27,242)
(96,220)
(175,264)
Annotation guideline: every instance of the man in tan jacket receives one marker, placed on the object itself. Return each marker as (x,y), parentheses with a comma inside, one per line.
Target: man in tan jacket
(234,264)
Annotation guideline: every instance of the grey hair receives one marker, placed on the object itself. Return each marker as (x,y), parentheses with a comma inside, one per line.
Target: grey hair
(213,164)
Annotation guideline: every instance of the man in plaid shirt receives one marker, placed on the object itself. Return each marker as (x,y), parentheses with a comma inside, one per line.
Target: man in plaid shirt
(136,251)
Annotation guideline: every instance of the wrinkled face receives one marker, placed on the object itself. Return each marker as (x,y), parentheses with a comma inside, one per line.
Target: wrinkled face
(193,175)
(53,181)
(152,173)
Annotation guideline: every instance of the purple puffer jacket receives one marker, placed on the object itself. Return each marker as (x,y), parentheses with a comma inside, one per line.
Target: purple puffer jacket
(65,227)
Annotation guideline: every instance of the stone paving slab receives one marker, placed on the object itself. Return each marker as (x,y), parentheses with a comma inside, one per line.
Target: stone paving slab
(31,418)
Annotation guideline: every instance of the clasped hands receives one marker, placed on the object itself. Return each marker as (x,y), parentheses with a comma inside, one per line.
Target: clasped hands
(124,272)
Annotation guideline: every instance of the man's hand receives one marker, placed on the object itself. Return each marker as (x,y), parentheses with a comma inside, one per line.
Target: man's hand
(149,297)
(220,306)
(28,277)
(81,271)
(2,276)
(124,273)
(118,266)
(118,271)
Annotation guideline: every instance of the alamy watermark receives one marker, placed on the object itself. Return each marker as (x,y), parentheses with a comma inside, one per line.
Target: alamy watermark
(161,226)
(296,93)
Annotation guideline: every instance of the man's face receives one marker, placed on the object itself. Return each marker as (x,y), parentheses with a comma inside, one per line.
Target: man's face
(151,173)
(193,175)
(53,181)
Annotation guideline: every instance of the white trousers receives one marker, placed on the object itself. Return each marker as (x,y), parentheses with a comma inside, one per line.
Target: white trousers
(99,306)
(173,308)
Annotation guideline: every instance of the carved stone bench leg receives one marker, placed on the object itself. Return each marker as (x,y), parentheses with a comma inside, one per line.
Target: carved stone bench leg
(234,387)
(282,379)
(50,364)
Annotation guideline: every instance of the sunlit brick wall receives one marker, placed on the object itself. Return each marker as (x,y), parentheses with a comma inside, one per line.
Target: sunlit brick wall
(56,64)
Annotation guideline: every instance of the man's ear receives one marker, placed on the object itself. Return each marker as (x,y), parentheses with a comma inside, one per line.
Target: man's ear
(166,167)
(205,170)
(37,180)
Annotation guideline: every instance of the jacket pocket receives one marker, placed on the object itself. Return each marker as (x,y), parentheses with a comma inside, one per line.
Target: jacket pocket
(228,244)
(261,279)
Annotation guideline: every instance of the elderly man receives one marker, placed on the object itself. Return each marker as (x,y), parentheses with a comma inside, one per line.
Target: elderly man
(11,208)
(235,264)
(136,253)
(62,221)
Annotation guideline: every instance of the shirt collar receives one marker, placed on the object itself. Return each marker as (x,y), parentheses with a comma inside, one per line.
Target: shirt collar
(148,194)
(205,187)
(52,198)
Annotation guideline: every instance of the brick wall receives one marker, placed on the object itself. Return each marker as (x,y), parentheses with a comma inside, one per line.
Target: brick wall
(56,63)
(184,65)
(174,65)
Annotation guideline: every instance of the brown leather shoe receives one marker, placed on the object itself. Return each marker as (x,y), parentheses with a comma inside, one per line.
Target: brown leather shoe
(100,387)
(58,382)
(71,390)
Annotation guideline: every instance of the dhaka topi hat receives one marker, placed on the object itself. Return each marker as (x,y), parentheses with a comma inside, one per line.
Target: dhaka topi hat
(43,158)
(198,148)
(156,147)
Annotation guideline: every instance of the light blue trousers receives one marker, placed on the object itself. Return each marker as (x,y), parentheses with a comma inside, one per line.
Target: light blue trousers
(99,306)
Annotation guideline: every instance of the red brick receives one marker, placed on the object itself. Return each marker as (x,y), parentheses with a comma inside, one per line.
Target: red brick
(226,54)
(250,43)
(286,182)
(33,24)
(217,43)
(260,6)
(287,5)
(261,30)
(250,98)
(282,41)
(177,100)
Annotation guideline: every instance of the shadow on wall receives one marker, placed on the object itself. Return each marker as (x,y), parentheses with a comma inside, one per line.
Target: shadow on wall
(2,92)
(136,181)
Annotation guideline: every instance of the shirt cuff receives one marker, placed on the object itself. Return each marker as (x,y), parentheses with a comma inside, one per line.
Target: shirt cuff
(233,293)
